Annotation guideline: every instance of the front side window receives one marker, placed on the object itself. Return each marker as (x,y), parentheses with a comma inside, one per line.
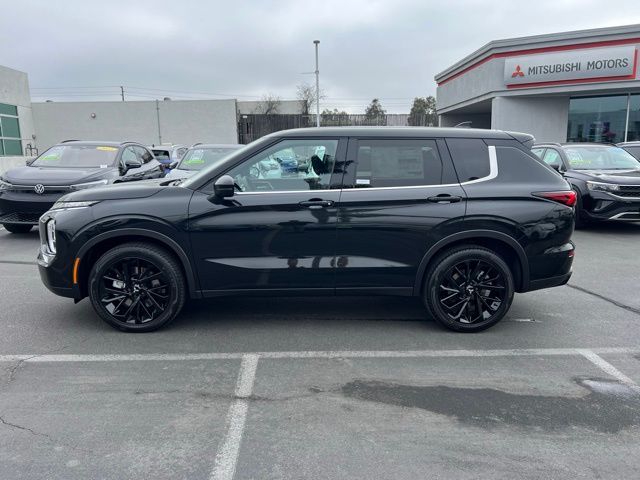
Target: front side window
(77,156)
(290,165)
(552,157)
(198,158)
(398,163)
(129,155)
(600,158)
(538,152)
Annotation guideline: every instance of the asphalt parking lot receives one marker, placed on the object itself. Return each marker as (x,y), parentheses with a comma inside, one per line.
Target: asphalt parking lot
(326,388)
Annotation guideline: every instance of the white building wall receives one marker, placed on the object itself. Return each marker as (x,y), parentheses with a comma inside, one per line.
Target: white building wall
(14,90)
(175,121)
(545,118)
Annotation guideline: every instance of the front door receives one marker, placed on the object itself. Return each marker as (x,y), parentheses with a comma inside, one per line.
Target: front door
(400,196)
(278,232)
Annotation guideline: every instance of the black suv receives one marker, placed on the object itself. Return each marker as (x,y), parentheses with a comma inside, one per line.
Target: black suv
(27,192)
(606,179)
(462,218)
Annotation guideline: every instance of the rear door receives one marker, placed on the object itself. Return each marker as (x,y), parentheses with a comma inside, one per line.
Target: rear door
(400,196)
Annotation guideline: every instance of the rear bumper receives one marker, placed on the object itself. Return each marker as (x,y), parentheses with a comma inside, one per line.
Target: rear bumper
(549,282)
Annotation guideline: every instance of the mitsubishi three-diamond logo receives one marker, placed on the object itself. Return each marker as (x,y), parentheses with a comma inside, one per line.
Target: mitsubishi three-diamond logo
(517,73)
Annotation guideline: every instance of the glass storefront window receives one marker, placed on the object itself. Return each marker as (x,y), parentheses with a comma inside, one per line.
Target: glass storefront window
(597,119)
(10,143)
(633,132)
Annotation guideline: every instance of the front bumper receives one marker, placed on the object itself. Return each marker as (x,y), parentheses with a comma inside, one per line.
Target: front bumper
(25,208)
(601,206)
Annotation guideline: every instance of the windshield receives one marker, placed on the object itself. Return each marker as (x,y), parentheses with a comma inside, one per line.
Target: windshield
(198,158)
(77,156)
(600,158)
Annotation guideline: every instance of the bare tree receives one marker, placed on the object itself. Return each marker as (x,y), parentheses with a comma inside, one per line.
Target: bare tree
(269,104)
(306,93)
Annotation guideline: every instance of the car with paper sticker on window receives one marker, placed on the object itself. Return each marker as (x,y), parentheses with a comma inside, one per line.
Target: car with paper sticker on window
(27,192)
(200,156)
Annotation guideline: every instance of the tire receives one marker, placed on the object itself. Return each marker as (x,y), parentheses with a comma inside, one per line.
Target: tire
(137,287)
(446,288)
(581,221)
(17,227)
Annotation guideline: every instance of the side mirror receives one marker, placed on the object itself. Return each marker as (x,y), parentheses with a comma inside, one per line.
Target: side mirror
(146,156)
(29,161)
(131,163)
(556,166)
(173,165)
(224,187)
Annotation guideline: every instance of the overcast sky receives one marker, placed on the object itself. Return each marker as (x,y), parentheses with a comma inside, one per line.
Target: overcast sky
(244,49)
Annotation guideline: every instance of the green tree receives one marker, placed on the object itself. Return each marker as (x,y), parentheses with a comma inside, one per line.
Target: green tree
(375,114)
(423,112)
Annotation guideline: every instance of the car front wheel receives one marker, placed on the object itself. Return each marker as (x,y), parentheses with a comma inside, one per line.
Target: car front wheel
(468,289)
(137,287)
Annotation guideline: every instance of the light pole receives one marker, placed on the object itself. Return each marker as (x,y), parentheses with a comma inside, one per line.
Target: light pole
(317,72)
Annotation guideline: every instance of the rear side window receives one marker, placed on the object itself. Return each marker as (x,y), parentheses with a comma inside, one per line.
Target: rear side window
(398,163)
(538,152)
(516,166)
(635,151)
(470,157)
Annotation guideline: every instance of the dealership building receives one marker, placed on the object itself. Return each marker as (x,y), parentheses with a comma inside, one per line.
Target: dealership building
(581,86)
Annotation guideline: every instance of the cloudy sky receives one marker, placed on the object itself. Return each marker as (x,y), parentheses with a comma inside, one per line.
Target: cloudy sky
(85,49)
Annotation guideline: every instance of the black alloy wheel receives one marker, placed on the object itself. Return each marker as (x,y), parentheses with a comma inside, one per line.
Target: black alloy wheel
(137,287)
(469,289)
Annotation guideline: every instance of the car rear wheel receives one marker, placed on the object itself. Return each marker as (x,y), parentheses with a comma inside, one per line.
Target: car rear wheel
(581,220)
(137,287)
(468,289)
(17,227)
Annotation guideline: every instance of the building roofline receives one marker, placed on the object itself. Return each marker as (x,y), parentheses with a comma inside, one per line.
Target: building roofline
(536,41)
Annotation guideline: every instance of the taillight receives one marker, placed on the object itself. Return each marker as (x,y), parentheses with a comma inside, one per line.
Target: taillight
(568,197)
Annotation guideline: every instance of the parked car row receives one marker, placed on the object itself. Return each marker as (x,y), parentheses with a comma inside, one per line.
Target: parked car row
(28,192)
(606,178)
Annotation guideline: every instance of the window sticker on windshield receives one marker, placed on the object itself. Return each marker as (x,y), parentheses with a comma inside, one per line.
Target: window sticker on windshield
(196,157)
(52,155)
(107,149)
(104,166)
(576,159)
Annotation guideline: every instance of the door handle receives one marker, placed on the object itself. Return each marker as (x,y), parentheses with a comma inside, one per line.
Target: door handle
(316,204)
(444,198)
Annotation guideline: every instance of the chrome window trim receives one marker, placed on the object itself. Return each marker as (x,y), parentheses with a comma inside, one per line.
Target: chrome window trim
(493,173)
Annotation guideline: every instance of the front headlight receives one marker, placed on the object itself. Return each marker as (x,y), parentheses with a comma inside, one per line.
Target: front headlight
(67,205)
(82,186)
(51,235)
(602,187)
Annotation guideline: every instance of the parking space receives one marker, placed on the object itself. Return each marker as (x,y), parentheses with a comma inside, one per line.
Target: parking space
(326,388)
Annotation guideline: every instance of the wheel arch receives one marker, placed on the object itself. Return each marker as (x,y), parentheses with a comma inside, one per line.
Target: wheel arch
(501,243)
(94,248)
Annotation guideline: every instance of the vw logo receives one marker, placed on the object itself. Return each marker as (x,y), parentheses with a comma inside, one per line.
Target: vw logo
(39,189)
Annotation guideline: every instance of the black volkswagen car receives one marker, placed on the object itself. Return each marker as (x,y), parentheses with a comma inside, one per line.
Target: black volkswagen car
(462,218)
(27,192)
(606,179)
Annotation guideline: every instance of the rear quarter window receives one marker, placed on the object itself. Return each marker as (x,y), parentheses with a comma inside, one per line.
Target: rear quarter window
(470,158)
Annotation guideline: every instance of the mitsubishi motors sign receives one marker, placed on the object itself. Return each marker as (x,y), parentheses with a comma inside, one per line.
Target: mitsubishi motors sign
(571,66)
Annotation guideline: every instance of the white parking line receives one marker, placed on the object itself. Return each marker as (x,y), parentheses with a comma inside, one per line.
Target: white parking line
(129,357)
(227,457)
(607,367)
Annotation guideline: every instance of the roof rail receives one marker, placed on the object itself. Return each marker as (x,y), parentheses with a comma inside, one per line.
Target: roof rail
(196,144)
(70,140)
(557,144)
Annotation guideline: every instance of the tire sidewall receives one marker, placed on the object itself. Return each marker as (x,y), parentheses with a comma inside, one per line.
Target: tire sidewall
(161,262)
(445,262)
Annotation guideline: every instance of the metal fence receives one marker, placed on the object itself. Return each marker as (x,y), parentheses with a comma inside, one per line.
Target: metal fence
(253,126)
